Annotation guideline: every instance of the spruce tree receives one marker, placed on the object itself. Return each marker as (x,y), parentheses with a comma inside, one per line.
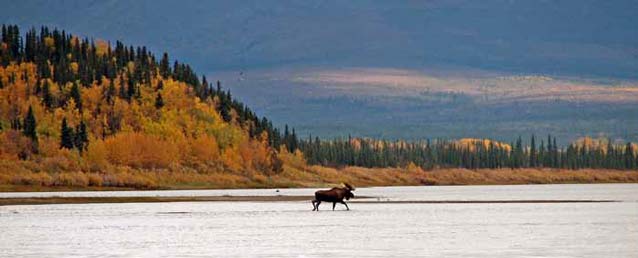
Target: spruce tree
(110,92)
(122,88)
(67,135)
(30,125)
(165,69)
(131,92)
(629,156)
(81,139)
(159,101)
(76,95)
(532,152)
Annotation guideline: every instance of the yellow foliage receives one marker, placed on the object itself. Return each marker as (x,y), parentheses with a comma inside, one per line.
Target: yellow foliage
(141,151)
(231,159)
(74,67)
(96,155)
(101,47)
(471,143)
(205,149)
(49,42)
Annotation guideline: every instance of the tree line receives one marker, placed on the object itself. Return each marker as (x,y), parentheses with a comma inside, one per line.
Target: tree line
(470,154)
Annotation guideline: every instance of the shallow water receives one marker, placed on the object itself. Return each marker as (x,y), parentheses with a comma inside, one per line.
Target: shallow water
(290,229)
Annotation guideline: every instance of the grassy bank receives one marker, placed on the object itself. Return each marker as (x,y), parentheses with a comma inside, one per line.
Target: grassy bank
(302,176)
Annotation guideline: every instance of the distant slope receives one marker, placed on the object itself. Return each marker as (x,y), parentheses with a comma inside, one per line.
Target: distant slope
(569,37)
(413,104)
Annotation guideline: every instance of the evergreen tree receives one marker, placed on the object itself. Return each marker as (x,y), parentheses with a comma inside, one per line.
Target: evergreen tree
(110,92)
(165,69)
(46,95)
(131,92)
(532,152)
(76,95)
(122,91)
(67,135)
(29,127)
(81,139)
(159,101)
(629,156)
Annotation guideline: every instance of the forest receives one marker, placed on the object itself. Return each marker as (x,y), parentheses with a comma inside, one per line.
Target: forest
(78,112)
(472,153)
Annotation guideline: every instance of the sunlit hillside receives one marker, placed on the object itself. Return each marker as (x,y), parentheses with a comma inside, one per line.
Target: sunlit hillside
(70,106)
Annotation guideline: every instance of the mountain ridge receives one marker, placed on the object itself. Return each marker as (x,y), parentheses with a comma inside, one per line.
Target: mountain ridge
(581,38)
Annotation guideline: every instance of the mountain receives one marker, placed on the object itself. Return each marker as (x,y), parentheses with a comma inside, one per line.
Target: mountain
(572,37)
(276,55)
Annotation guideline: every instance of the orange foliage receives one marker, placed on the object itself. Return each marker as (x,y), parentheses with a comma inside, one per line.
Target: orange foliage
(471,143)
(141,151)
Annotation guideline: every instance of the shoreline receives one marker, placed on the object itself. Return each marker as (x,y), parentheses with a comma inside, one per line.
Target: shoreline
(53,189)
(273,198)
(303,176)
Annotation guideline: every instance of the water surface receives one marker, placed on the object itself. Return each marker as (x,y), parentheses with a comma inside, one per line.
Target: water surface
(290,229)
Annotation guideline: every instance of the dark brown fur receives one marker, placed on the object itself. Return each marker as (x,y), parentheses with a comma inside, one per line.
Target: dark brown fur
(334,195)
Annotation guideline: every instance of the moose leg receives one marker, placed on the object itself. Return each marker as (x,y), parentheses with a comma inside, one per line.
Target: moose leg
(314,206)
(333,205)
(317,206)
(344,203)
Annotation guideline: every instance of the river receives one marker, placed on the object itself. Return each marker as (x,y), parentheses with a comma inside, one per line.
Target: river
(290,229)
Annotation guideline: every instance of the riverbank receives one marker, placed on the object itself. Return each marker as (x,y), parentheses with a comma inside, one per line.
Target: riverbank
(302,176)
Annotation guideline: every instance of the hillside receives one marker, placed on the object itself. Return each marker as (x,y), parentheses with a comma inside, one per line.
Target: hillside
(82,112)
(416,104)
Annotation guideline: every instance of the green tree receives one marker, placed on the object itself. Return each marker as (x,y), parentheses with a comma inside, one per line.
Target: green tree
(159,101)
(46,94)
(76,95)
(532,153)
(67,135)
(81,139)
(629,156)
(165,67)
(110,92)
(122,91)
(29,126)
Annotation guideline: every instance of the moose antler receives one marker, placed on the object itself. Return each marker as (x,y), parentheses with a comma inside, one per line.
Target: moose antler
(348,186)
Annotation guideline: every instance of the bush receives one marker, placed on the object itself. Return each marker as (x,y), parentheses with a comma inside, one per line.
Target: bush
(71,179)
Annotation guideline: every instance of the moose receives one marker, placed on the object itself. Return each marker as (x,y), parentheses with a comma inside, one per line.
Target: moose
(334,195)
